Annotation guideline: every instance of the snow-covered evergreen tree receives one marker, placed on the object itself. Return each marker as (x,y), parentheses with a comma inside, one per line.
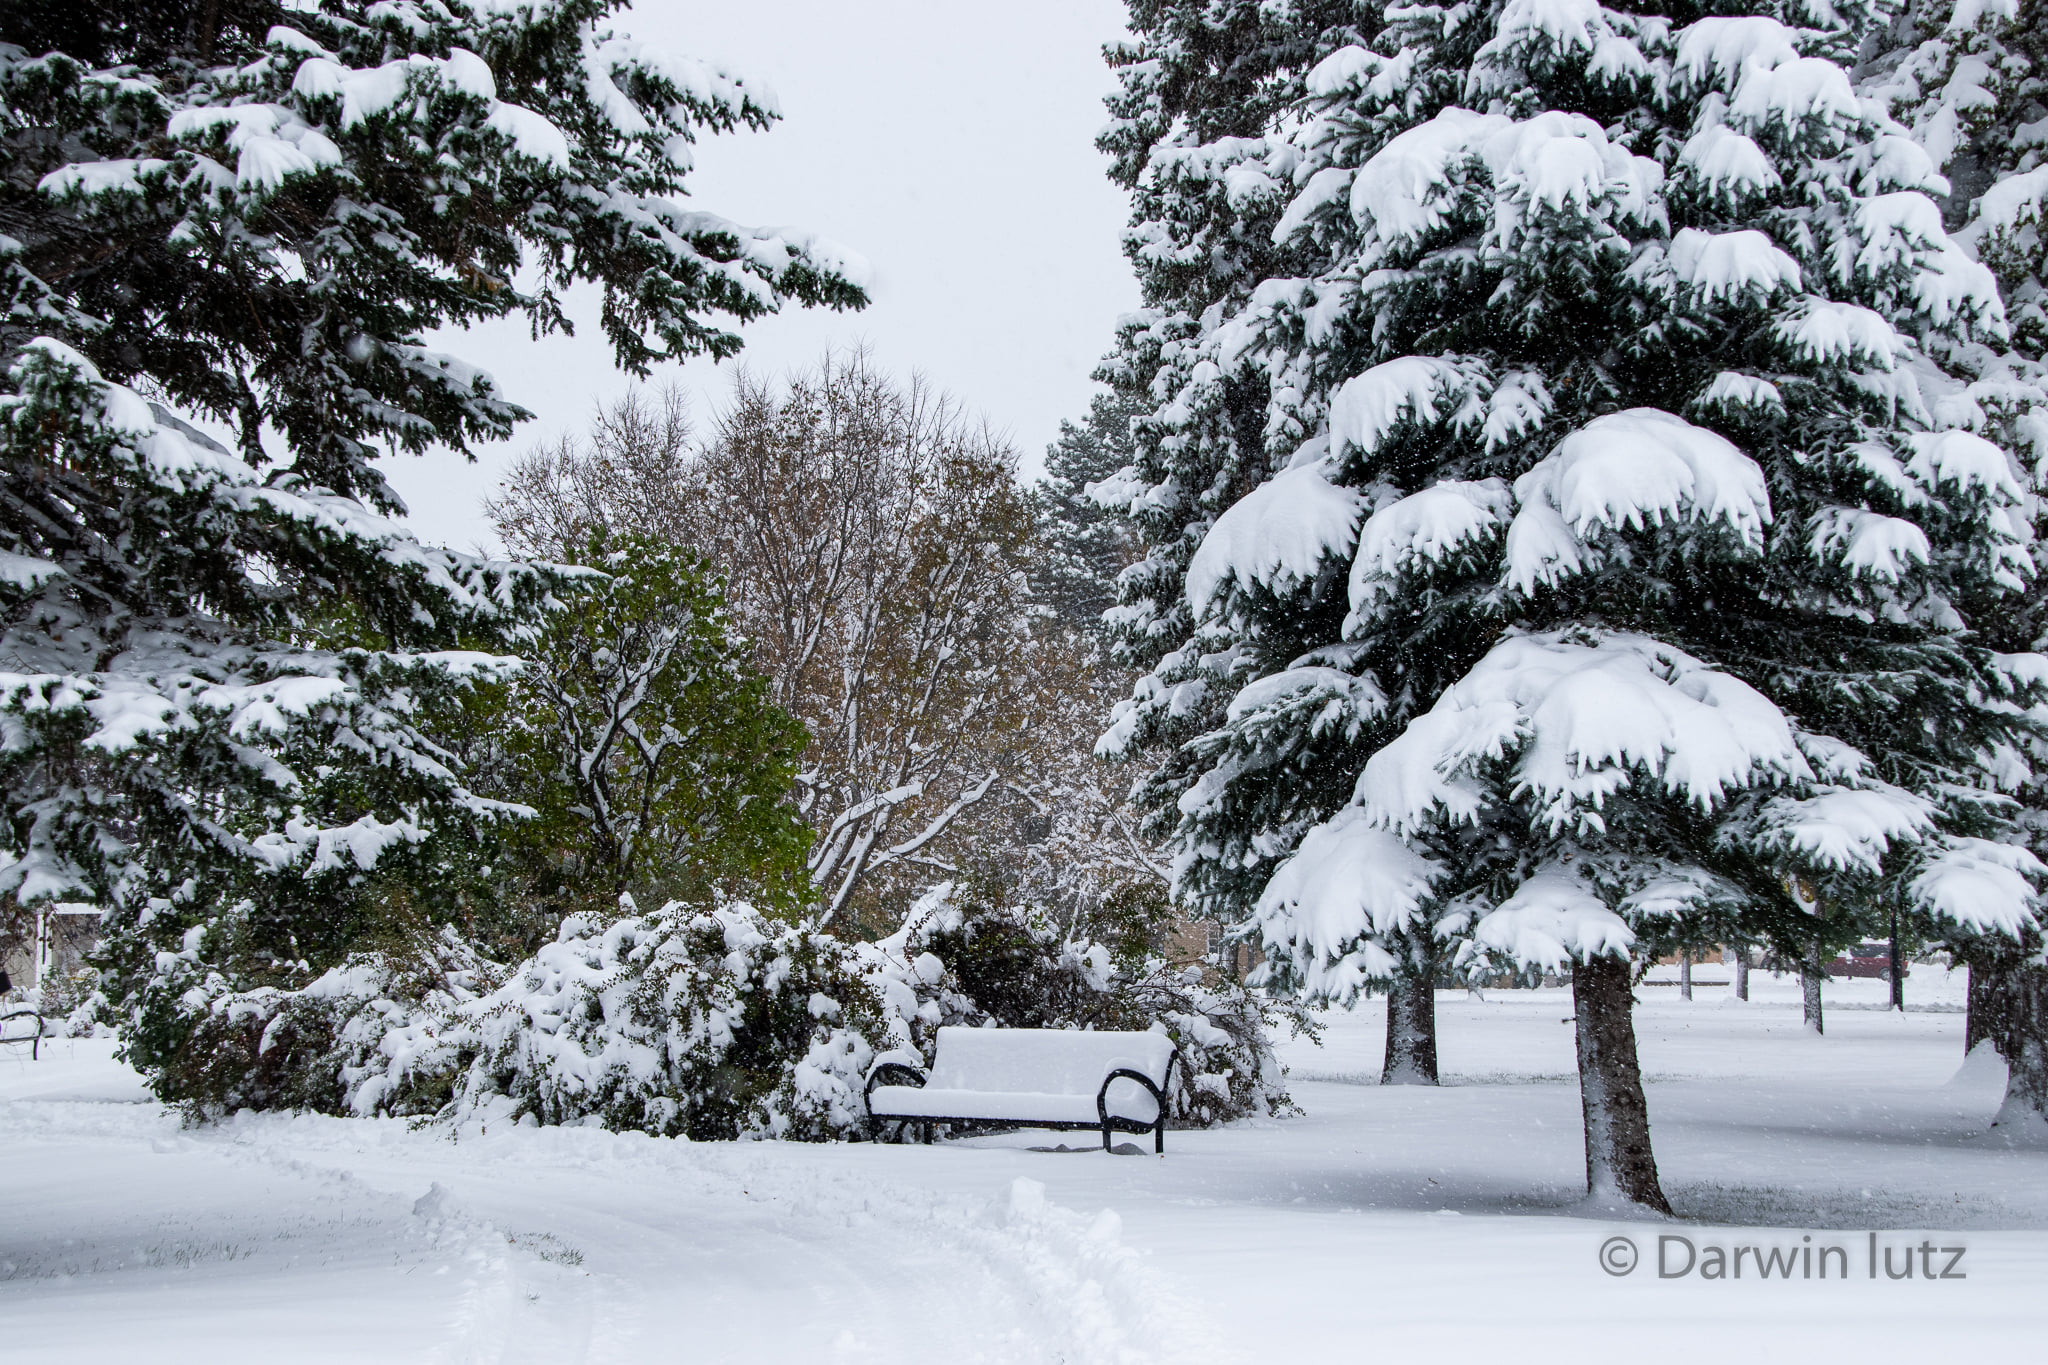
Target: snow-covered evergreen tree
(1204,91)
(1970,78)
(1215,89)
(1086,545)
(224,665)
(1630,517)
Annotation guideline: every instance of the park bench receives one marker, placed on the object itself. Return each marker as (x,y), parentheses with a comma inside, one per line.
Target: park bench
(1031,1078)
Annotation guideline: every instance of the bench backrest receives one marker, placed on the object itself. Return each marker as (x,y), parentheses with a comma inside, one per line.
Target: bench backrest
(1046,1061)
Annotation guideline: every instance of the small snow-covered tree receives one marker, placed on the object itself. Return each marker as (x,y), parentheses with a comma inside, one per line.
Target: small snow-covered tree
(226,666)
(1630,526)
(656,762)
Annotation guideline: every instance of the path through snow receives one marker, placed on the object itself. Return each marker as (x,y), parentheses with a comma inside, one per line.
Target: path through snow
(307,1238)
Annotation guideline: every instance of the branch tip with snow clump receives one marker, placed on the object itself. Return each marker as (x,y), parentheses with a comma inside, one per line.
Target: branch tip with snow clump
(1732,266)
(1414,388)
(1420,531)
(1284,529)
(1867,544)
(1552,921)
(1586,714)
(1982,885)
(1634,469)
(1346,882)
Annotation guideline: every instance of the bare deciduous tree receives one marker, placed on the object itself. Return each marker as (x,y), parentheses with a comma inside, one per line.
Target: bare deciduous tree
(624,477)
(876,544)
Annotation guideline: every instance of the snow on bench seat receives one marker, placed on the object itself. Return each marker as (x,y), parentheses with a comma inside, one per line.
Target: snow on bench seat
(1059,1078)
(1022,1106)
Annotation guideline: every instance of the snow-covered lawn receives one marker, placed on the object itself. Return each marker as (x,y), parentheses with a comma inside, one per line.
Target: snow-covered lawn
(1385,1223)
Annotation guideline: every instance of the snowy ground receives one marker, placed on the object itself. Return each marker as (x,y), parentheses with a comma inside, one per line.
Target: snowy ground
(1383,1222)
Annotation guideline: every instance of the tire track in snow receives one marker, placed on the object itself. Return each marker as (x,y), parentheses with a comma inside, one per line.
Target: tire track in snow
(1066,1286)
(491,1320)
(898,1273)
(917,1275)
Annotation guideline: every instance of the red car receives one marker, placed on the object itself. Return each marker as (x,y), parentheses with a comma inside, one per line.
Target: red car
(1867,959)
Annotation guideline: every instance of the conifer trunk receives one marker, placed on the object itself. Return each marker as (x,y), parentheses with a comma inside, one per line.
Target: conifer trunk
(2025,1109)
(1897,969)
(1685,975)
(2015,1020)
(1618,1156)
(1411,1032)
(1740,956)
(1810,977)
(1980,1008)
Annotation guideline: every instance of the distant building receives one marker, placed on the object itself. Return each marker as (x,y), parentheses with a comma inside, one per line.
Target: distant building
(1200,941)
(48,942)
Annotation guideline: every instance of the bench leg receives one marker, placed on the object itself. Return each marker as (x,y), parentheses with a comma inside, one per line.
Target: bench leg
(1105,1137)
(1159,1136)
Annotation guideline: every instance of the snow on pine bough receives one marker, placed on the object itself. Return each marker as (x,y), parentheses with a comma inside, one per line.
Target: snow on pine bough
(1031,1078)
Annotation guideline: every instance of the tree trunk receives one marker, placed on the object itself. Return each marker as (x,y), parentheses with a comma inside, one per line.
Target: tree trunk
(1741,972)
(1898,969)
(2019,1030)
(1981,1009)
(1411,1032)
(1810,977)
(1618,1156)
(1685,975)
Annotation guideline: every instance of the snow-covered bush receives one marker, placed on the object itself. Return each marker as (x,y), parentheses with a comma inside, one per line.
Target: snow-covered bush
(714,1023)
(317,1047)
(707,1023)
(71,1003)
(710,1023)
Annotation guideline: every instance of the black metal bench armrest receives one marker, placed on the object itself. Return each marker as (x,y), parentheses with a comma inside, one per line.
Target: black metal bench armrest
(1158,1098)
(1160,1094)
(35,1040)
(882,1075)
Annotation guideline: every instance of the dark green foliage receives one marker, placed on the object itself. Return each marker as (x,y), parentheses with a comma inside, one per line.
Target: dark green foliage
(657,762)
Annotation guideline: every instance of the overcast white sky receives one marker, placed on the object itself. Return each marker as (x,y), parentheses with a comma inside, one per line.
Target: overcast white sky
(950,142)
